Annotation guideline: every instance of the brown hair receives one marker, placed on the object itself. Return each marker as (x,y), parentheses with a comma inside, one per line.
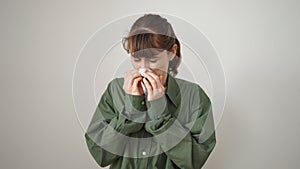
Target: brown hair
(153,32)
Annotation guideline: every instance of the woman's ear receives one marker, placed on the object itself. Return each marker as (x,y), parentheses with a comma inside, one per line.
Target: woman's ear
(174,50)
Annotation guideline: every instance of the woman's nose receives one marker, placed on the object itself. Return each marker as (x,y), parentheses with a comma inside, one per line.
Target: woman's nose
(144,63)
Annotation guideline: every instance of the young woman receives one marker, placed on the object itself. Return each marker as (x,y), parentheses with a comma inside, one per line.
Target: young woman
(150,119)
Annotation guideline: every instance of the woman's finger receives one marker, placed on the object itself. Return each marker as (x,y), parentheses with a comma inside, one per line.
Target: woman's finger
(147,85)
(155,77)
(161,83)
(136,81)
(130,76)
(151,79)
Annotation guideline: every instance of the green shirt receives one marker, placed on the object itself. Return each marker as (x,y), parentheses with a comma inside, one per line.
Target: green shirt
(175,131)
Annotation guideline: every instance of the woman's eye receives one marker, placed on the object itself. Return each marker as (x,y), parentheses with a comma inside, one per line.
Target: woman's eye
(136,60)
(153,61)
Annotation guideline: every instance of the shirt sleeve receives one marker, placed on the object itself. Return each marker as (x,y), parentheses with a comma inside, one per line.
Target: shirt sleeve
(107,130)
(156,109)
(195,138)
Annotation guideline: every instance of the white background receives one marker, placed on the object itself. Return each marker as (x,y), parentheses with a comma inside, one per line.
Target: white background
(257,41)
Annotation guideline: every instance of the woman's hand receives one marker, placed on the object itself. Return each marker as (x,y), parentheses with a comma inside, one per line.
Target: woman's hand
(132,83)
(153,83)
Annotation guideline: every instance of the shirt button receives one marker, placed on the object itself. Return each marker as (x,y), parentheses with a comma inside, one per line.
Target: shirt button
(143,153)
(142,102)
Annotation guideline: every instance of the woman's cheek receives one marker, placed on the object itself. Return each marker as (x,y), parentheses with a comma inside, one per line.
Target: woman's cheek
(159,71)
(160,66)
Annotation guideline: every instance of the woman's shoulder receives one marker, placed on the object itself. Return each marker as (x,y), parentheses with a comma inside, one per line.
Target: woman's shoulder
(116,82)
(183,83)
(190,87)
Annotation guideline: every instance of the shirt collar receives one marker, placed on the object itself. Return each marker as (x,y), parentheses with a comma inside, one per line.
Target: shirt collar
(173,90)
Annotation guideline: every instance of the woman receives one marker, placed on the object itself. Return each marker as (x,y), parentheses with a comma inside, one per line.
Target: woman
(149,118)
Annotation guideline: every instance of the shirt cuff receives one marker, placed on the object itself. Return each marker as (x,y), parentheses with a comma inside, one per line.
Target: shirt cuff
(135,108)
(157,108)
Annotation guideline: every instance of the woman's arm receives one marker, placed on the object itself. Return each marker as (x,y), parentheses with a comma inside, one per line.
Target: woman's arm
(105,136)
(187,145)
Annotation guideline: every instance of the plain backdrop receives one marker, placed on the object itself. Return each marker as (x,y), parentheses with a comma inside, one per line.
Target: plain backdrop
(257,42)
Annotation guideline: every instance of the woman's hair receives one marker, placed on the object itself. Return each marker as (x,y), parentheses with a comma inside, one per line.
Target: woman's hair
(154,33)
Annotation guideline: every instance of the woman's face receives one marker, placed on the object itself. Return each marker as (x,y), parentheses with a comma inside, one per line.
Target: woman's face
(158,62)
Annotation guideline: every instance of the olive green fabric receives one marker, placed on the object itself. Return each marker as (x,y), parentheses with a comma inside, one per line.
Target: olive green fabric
(174,131)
